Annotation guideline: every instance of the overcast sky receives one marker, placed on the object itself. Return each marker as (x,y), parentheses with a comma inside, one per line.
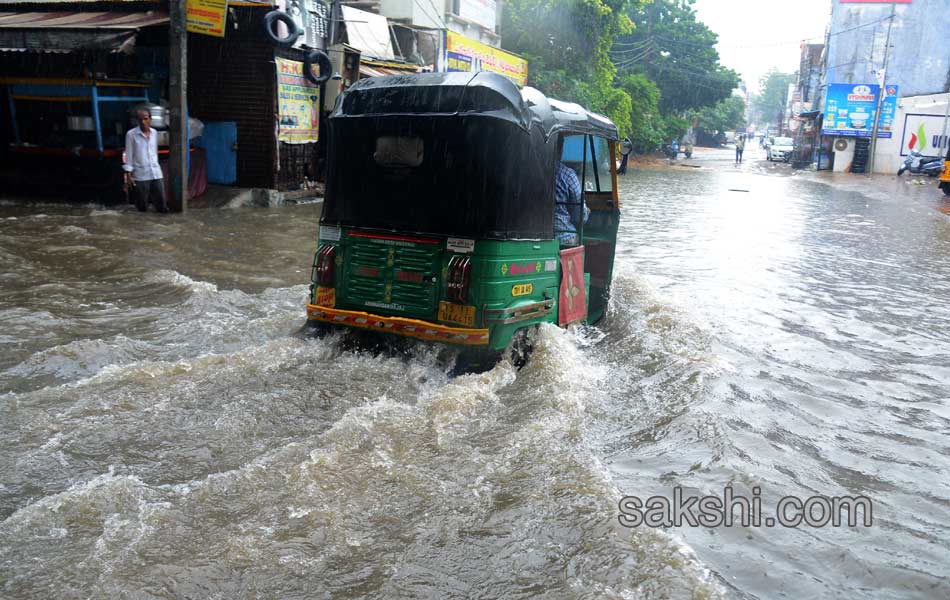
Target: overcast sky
(756,35)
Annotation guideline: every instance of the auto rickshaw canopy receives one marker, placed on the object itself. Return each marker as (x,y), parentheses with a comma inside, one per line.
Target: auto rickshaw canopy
(460,154)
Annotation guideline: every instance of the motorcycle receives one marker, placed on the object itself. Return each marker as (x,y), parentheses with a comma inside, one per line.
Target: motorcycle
(919,164)
(671,149)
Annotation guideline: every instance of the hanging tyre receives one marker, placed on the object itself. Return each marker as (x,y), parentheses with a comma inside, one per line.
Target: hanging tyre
(293,32)
(322,60)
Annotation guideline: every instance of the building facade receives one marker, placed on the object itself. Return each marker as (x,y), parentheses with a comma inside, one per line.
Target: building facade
(910,37)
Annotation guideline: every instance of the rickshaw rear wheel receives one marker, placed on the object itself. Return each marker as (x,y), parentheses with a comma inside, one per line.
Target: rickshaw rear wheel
(521,346)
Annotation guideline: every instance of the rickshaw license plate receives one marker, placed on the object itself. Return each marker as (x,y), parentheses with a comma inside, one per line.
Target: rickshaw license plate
(456,313)
(325,297)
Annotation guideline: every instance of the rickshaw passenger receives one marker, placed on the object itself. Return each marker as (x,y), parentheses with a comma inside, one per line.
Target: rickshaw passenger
(567,205)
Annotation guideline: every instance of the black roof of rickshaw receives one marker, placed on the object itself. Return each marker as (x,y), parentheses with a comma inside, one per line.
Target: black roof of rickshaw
(482,93)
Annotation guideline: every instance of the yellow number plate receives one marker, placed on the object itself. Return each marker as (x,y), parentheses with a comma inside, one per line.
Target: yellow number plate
(325,297)
(457,313)
(522,289)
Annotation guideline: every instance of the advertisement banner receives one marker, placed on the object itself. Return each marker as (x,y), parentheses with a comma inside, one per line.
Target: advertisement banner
(850,110)
(464,54)
(925,134)
(207,17)
(311,17)
(298,103)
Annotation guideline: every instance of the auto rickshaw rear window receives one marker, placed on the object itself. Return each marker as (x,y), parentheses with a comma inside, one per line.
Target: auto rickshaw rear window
(398,151)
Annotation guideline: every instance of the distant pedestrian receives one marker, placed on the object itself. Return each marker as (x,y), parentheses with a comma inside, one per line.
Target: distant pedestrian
(740,146)
(141,167)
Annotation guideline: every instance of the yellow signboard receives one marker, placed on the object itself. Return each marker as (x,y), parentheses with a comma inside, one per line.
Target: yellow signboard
(464,54)
(206,16)
(298,104)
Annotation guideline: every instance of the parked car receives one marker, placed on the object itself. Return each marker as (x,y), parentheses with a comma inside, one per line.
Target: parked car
(780,148)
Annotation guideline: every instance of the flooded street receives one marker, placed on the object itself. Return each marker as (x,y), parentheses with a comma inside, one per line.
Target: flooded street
(164,434)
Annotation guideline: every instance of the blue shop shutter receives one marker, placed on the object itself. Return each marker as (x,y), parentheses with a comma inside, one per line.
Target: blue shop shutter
(219,140)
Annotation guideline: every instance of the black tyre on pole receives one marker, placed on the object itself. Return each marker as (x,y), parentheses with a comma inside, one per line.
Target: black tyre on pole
(322,60)
(274,16)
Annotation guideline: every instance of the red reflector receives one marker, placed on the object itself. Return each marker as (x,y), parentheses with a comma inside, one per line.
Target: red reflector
(368,271)
(409,276)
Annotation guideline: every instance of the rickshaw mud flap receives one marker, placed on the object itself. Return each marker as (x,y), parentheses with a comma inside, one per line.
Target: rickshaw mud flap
(524,312)
(413,328)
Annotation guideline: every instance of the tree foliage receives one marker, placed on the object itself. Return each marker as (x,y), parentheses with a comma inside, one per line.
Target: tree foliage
(567,44)
(769,103)
(670,46)
(642,63)
(727,115)
(647,125)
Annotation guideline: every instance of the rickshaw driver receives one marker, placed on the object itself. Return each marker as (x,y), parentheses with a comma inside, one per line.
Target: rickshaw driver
(567,203)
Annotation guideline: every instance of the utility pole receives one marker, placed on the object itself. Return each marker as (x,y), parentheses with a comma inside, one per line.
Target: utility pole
(178,96)
(880,94)
(946,115)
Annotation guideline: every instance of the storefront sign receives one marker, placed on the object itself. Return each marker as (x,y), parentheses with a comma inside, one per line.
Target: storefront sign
(464,54)
(850,109)
(924,133)
(207,17)
(480,11)
(311,17)
(298,104)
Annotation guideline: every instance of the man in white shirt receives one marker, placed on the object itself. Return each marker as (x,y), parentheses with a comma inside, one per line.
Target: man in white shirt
(142,171)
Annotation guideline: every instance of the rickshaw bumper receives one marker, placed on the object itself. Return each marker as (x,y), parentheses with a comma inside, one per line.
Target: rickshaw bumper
(413,328)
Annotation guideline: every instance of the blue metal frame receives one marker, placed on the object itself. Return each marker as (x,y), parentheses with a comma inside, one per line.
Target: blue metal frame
(95,117)
(16,130)
(67,90)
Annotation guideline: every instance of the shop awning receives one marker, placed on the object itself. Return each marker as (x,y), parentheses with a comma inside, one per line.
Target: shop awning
(369,32)
(73,30)
(372,68)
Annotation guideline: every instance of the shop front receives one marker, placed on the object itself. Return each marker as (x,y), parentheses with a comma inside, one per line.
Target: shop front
(70,80)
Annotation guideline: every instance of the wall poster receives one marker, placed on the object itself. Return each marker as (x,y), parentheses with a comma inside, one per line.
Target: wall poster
(298,104)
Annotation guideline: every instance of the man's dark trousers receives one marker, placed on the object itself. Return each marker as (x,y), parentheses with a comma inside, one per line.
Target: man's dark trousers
(150,190)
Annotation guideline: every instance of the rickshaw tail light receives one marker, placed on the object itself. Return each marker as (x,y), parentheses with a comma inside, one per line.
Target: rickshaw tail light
(326,263)
(459,277)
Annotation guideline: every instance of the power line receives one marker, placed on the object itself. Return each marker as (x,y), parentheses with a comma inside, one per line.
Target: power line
(437,19)
(634,60)
(632,47)
(765,45)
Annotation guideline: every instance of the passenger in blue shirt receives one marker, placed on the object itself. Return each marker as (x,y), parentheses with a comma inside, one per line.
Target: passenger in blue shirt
(568,205)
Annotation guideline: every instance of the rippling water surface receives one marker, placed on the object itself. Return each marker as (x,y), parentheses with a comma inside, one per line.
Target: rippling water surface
(164,434)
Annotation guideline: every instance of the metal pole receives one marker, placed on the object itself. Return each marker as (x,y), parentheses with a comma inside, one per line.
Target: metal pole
(178,95)
(946,114)
(880,93)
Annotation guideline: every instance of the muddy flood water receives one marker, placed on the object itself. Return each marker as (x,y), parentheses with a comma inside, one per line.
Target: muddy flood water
(164,434)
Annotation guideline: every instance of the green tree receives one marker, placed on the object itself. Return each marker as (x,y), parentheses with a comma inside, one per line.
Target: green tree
(675,50)
(567,44)
(647,125)
(769,103)
(724,116)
